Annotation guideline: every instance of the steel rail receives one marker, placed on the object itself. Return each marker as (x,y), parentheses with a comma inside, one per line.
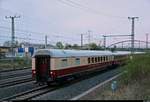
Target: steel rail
(30,94)
(9,70)
(15,82)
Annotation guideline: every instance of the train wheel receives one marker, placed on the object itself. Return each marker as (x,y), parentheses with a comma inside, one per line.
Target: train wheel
(52,83)
(40,84)
(49,83)
(61,81)
(76,76)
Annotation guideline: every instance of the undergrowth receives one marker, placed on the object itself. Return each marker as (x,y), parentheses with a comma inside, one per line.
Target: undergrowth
(137,68)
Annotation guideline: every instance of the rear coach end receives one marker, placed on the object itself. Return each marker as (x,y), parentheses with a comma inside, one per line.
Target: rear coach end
(41,65)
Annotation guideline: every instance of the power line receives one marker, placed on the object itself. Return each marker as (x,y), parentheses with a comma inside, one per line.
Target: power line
(22,30)
(82,7)
(25,38)
(40,33)
(29,17)
(66,3)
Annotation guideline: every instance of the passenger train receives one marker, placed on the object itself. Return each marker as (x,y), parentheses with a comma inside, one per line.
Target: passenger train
(54,64)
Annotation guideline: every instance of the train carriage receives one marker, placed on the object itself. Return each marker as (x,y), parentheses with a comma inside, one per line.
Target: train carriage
(51,64)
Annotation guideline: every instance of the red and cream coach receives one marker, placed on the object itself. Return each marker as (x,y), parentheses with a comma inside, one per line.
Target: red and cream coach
(52,64)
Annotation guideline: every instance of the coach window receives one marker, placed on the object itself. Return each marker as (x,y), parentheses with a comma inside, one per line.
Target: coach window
(64,63)
(109,58)
(95,59)
(104,58)
(92,59)
(77,61)
(101,59)
(113,57)
(89,60)
(98,59)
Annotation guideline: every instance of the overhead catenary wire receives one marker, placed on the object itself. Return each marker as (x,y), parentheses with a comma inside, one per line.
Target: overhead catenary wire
(32,39)
(71,3)
(83,7)
(22,30)
(40,33)
(76,5)
(30,19)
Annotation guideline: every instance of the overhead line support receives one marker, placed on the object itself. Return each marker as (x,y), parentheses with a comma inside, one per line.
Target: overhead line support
(13,36)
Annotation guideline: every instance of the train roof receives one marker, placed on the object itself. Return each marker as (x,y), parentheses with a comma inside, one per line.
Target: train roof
(77,53)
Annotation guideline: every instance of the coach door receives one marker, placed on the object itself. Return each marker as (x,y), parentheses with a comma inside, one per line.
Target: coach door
(42,68)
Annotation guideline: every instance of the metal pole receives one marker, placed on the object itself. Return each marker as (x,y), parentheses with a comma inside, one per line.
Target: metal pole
(104,42)
(132,33)
(147,41)
(12,41)
(122,45)
(45,41)
(89,40)
(139,44)
(81,41)
(13,37)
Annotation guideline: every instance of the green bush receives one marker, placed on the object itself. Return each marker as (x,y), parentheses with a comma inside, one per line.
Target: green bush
(137,68)
(18,63)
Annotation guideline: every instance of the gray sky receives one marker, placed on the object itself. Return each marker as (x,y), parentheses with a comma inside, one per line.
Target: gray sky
(64,21)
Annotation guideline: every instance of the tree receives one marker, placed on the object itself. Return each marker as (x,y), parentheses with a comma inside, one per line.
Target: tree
(8,43)
(93,46)
(59,45)
(75,46)
(68,46)
(114,48)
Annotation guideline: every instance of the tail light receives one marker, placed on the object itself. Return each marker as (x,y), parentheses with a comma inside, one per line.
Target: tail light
(34,71)
(53,74)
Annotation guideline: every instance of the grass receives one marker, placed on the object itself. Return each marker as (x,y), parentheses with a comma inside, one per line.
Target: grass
(135,91)
(137,68)
(18,63)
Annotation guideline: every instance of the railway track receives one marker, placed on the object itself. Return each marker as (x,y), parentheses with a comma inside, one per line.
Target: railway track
(17,73)
(30,94)
(36,92)
(11,82)
(11,70)
(2,77)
